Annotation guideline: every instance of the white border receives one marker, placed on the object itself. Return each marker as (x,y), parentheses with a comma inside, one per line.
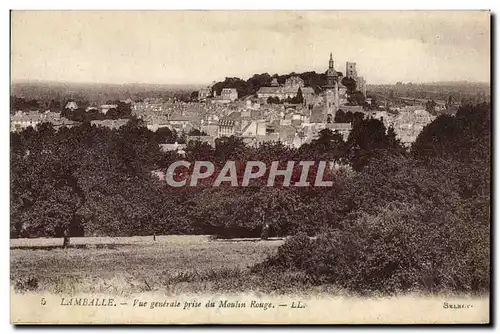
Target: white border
(191,4)
(254,4)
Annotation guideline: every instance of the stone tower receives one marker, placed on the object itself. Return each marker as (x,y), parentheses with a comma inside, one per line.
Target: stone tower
(350,70)
(331,92)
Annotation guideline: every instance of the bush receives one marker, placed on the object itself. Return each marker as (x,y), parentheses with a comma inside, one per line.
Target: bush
(294,253)
(27,284)
(401,247)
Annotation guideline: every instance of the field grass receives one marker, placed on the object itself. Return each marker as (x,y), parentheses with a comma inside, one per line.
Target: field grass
(197,267)
(170,265)
(138,264)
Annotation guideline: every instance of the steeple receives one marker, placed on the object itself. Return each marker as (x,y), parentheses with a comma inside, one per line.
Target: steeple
(331,92)
(331,73)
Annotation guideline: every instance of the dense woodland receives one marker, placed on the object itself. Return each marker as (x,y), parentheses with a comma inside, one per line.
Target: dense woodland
(415,219)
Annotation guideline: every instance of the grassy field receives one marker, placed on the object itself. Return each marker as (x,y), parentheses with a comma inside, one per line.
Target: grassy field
(170,265)
(138,264)
(201,268)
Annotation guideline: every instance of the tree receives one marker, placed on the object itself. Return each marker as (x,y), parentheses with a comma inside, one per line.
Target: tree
(367,139)
(196,132)
(46,130)
(393,141)
(69,184)
(45,190)
(229,148)
(181,139)
(449,101)
(87,179)
(241,212)
(329,146)
(374,102)
(165,135)
(430,106)
(273,100)
(340,117)
(258,80)
(349,83)
(124,109)
(199,151)
(356,98)
(240,85)
(194,96)
(299,98)
(54,105)
(465,137)
(112,114)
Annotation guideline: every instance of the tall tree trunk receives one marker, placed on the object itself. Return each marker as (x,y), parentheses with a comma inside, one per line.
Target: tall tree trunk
(66,239)
(265,228)
(67,231)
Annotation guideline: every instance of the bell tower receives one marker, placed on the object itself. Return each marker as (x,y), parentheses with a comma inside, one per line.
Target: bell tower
(331,91)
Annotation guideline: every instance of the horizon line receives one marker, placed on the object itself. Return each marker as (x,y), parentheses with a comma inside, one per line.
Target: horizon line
(45,81)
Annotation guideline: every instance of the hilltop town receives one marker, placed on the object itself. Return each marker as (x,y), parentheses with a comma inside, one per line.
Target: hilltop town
(291,109)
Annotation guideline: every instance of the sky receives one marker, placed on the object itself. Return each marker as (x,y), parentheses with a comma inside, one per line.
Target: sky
(198,47)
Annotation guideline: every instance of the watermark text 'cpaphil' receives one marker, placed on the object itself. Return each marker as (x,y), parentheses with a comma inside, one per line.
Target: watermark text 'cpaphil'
(292,173)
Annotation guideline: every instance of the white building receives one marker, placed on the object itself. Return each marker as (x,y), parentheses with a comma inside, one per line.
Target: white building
(71,105)
(230,94)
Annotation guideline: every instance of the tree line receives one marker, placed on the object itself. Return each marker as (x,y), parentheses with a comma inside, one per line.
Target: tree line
(94,181)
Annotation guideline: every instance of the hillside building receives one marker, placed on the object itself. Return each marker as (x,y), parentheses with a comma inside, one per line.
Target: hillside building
(289,90)
(204,93)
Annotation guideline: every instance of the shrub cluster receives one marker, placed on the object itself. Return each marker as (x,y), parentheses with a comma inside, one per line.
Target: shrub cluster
(416,223)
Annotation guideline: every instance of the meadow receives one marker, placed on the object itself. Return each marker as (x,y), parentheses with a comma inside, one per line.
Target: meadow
(200,267)
(137,264)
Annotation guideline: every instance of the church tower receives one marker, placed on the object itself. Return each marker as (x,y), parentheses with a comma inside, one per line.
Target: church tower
(331,91)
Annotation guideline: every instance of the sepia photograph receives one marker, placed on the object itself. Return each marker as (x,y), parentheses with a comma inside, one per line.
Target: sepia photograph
(250,167)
